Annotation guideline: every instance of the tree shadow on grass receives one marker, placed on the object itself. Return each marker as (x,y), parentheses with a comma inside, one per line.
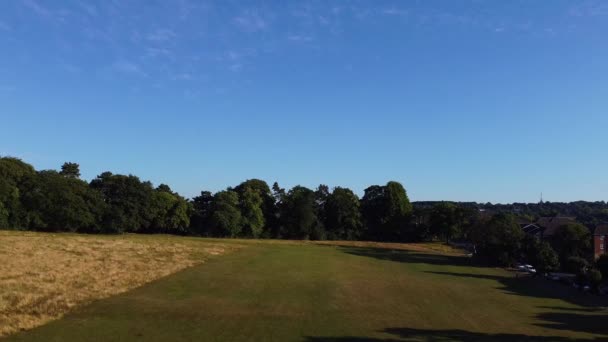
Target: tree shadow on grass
(407,256)
(538,287)
(592,318)
(410,334)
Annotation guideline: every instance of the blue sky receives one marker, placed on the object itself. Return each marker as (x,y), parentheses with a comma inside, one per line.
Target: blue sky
(458,100)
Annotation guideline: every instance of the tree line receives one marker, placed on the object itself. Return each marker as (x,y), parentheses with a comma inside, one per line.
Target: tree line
(50,200)
(55,201)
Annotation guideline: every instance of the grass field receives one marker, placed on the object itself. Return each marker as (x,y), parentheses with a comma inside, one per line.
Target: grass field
(43,276)
(273,291)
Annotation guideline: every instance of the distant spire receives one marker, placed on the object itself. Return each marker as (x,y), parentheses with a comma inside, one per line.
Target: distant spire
(541,198)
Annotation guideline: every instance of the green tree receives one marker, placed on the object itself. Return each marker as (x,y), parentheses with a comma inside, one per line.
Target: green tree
(577,265)
(444,220)
(267,205)
(572,240)
(298,213)
(130,202)
(13,174)
(343,215)
(57,203)
(251,210)
(226,219)
(602,265)
(171,212)
(386,211)
(200,221)
(70,170)
(595,279)
(540,254)
(499,241)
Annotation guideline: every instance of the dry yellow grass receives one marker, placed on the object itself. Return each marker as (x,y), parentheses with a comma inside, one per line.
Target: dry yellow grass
(42,276)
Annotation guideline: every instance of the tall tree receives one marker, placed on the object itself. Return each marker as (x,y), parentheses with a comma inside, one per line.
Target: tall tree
(130,202)
(13,174)
(298,213)
(200,222)
(444,220)
(70,170)
(499,241)
(386,210)
(268,205)
(342,215)
(572,240)
(251,210)
(226,219)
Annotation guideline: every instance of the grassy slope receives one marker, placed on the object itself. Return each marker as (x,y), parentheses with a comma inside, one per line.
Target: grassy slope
(313,293)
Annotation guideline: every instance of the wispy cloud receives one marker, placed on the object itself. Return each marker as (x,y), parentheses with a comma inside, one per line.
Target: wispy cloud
(127,67)
(394,11)
(299,38)
(251,21)
(589,9)
(236,67)
(161,35)
(185,76)
(56,15)
(89,8)
(36,7)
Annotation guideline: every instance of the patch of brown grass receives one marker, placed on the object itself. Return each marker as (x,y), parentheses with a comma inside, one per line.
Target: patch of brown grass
(43,276)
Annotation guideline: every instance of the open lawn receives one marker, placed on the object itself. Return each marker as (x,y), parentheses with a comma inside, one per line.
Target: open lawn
(276,291)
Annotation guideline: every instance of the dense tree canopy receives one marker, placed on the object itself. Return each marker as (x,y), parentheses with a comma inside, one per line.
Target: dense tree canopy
(499,241)
(343,215)
(572,240)
(386,211)
(226,218)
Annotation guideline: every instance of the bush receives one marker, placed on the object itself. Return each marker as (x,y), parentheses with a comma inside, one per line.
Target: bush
(576,265)
(595,279)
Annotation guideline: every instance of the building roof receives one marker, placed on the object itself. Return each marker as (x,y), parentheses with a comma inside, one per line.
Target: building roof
(551,224)
(602,229)
(531,228)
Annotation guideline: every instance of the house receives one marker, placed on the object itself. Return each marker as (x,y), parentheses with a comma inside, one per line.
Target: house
(600,240)
(545,227)
(549,225)
(532,229)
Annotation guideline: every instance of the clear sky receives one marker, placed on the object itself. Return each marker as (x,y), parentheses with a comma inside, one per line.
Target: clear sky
(458,100)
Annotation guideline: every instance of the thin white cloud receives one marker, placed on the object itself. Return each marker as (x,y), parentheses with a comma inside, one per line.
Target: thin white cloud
(251,21)
(299,38)
(127,67)
(589,9)
(161,35)
(37,8)
(182,77)
(394,11)
(236,67)
(89,8)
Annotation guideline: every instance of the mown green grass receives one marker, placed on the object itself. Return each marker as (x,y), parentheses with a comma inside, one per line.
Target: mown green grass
(304,292)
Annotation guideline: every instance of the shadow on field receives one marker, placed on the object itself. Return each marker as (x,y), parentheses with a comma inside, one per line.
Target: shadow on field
(540,288)
(409,334)
(407,256)
(592,318)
